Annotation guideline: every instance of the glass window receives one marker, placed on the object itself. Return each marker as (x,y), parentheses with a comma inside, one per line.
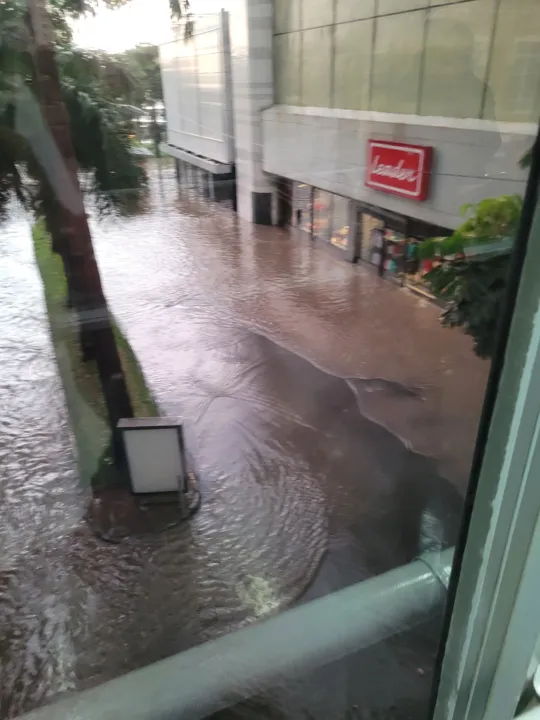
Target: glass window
(340,222)
(302,209)
(287,15)
(322,213)
(372,230)
(315,67)
(316,13)
(417,268)
(395,253)
(352,71)
(287,50)
(457,48)
(396,62)
(354,10)
(398,6)
(338,430)
(514,76)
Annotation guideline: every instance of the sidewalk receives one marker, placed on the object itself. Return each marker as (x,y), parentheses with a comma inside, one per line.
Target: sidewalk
(408,373)
(419,380)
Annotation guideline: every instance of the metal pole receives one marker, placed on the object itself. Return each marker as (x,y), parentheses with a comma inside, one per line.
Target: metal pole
(207,678)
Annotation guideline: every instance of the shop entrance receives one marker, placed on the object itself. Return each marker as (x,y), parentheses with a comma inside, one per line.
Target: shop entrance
(389,242)
(382,241)
(284,202)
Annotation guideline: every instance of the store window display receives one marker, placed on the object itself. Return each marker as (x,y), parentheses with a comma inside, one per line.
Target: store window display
(340,222)
(395,254)
(303,207)
(416,269)
(372,233)
(322,214)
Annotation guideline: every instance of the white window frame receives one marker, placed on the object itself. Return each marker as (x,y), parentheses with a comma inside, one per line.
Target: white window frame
(495,622)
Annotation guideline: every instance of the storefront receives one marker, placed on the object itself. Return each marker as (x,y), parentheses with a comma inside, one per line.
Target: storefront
(366,233)
(323,215)
(302,215)
(389,242)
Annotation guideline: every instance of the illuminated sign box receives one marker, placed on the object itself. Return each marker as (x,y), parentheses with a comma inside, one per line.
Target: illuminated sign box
(155,455)
(399,169)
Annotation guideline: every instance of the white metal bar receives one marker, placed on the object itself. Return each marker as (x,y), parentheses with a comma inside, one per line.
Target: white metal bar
(494,630)
(532,714)
(219,673)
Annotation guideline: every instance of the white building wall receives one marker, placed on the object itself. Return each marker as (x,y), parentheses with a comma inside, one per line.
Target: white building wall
(251,28)
(473,159)
(197,90)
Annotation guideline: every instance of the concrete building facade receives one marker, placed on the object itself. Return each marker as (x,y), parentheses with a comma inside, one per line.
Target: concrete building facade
(328,96)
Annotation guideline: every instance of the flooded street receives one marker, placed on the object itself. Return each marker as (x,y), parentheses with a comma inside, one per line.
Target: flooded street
(330,418)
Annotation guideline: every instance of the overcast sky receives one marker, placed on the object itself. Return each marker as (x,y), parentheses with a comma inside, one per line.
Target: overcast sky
(140,21)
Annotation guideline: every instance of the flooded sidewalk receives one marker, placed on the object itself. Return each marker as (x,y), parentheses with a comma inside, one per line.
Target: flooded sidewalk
(193,269)
(330,418)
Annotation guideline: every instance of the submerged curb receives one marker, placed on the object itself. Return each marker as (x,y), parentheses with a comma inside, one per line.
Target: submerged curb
(117,514)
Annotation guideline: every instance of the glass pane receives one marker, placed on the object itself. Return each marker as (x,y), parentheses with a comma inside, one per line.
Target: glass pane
(287,49)
(340,235)
(315,67)
(398,6)
(396,62)
(514,77)
(354,10)
(254,261)
(372,230)
(316,13)
(302,208)
(322,214)
(457,49)
(352,71)
(287,15)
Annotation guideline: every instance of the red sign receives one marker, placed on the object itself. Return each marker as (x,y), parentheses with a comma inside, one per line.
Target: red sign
(399,169)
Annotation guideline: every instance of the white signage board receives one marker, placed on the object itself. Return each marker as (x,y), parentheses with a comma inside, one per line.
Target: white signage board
(155,454)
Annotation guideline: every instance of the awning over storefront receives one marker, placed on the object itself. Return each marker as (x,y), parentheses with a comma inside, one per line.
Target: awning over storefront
(211,166)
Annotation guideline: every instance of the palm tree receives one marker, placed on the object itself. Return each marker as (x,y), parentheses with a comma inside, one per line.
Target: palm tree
(40,158)
(36,134)
(144,88)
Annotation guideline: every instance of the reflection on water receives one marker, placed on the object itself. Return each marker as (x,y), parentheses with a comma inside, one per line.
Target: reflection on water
(303,471)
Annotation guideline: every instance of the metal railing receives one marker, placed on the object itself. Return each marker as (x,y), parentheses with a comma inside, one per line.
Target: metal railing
(219,673)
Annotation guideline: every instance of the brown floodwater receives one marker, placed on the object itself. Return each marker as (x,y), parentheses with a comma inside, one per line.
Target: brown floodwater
(325,414)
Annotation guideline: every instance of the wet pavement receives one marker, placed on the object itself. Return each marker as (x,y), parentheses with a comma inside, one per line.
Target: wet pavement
(330,418)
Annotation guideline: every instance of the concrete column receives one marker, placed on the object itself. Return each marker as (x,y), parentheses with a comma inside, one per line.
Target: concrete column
(251,25)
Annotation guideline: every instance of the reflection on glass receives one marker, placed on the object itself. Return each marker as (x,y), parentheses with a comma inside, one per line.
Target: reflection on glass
(303,206)
(329,407)
(394,252)
(372,233)
(340,222)
(322,213)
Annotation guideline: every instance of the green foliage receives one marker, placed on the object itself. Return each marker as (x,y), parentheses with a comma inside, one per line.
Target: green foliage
(89,82)
(492,218)
(141,65)
(472,291)
(471,284)
(103,148)
(526,160)
(80,378)
(489,220)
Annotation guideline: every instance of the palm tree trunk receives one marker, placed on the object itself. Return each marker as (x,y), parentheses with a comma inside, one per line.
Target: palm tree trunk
(156,132)
(71,220)
(53,222)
